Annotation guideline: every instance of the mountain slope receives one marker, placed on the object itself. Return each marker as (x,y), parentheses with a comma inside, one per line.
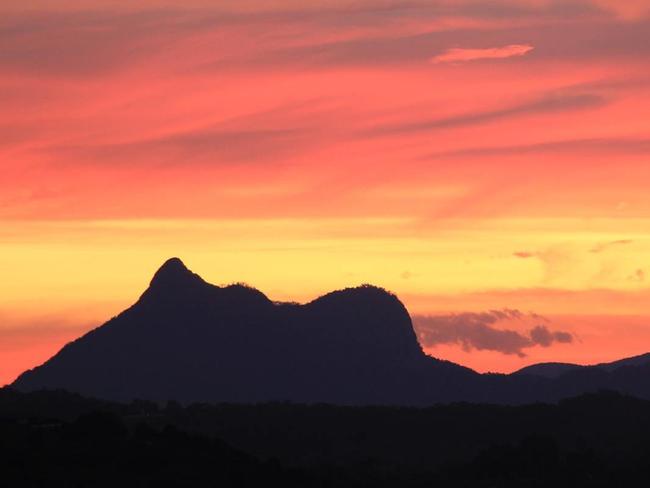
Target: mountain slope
(548,370)
(555,370)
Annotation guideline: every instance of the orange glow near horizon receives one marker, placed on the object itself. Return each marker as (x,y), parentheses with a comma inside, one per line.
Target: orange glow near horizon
(466,158)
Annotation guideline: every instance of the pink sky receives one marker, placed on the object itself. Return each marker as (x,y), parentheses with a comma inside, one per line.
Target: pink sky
(468,157)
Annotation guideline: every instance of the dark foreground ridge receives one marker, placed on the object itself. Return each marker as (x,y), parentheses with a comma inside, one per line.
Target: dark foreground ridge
(188,340)
(60,439)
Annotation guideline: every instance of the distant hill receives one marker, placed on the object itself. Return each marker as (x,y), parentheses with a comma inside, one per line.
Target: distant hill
(547,370)
(189,341)
(555,370)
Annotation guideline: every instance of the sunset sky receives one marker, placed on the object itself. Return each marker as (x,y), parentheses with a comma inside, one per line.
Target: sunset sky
(488,162)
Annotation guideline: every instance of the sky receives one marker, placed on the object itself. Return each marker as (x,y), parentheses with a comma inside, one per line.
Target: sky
(487,162)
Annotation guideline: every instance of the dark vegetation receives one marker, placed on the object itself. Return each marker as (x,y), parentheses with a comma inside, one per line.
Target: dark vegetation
(59,439)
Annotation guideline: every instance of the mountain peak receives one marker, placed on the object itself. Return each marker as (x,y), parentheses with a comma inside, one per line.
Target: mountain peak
(173,264)
(174,273)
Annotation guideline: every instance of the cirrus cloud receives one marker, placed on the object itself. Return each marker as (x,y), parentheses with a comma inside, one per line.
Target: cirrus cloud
(459,55)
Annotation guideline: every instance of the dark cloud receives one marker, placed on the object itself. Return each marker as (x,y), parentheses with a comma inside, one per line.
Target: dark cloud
(556,102)
(204,146)
(85,43)
(542,336)
(268,135)
(595,146)
(592,40)
(577,38)
(90,42)
(477,331)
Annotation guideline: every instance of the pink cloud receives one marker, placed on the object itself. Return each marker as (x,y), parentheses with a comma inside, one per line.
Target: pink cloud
(457,55)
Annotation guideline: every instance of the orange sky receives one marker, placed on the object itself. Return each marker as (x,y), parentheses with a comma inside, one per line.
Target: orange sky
(468,157)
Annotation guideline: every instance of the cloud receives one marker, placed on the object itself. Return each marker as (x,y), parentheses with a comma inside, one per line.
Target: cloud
(602,247)
(91,42)
(597,146)
(477,331)
(524,254)
(457,55)
(265,135)
(142,98)
(38,330)
(329,47)
(628,9)
(638,276)
(550,103)
(203,146)
(88,43)
(544,337)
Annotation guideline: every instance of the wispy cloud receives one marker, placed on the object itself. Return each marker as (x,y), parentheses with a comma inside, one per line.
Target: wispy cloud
(459,55)
(613,145)
(209,146)
(549,103)
(604,246)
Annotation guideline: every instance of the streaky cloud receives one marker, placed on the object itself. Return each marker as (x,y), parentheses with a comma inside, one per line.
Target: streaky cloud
(457,55)
(604,246)
(604,145)
(550,103)
(204,146)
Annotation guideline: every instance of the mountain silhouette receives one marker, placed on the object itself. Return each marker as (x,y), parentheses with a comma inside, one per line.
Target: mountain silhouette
(191,341)
(555,370)
(188,340)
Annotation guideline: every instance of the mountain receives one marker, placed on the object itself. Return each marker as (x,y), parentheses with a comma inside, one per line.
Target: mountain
(555,370)
(191,341)
(188,340)
(547,370)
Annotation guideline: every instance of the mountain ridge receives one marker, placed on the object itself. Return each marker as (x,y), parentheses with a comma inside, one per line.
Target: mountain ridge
(233,343)
(554,369)
(188,340)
